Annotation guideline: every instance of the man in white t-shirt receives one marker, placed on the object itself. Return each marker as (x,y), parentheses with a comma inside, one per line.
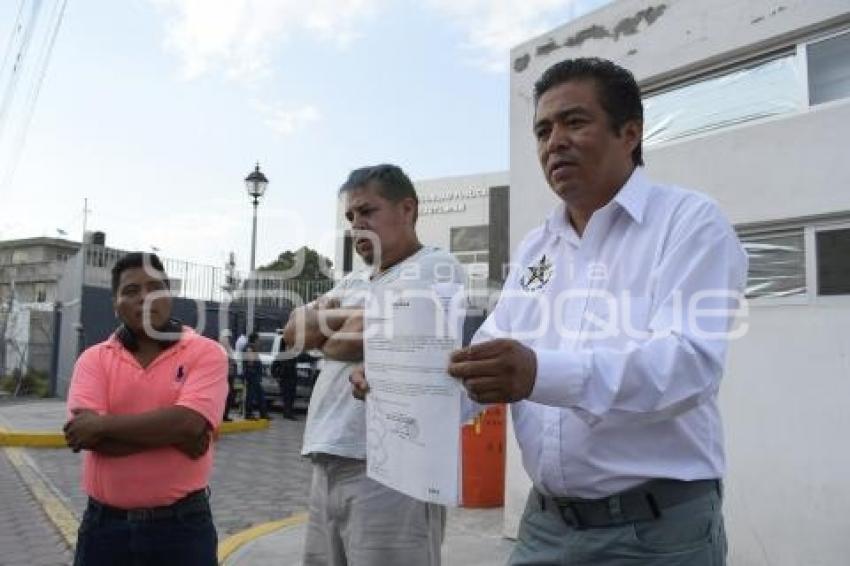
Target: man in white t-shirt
(353,519)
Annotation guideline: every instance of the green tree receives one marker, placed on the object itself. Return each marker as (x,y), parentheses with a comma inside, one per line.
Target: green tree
(316,267)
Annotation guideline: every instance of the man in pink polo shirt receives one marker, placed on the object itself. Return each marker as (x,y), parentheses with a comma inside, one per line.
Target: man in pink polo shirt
(143,405)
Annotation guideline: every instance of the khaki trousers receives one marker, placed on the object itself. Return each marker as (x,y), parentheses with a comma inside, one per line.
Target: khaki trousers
(356,521)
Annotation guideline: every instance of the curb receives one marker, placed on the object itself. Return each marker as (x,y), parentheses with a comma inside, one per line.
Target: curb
(45,493)
(234,542)
(33,439)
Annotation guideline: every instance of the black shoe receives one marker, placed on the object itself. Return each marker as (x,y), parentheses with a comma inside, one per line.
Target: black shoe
(250,417)
(290,417)
(227,419)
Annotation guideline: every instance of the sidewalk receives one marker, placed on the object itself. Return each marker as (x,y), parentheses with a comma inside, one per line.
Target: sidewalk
(473,538)
(43,415)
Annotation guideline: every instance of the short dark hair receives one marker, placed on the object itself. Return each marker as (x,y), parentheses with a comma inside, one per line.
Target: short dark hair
(393,183)
(253,337)
(133,260)
(619,93)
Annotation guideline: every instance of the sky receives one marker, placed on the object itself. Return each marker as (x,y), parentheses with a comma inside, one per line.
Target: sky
(156,110)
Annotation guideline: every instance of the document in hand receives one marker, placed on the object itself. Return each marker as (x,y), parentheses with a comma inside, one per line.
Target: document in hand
(413,409)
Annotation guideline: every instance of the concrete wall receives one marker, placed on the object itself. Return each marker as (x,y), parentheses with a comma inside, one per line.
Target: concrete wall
(784,402)
(785,395)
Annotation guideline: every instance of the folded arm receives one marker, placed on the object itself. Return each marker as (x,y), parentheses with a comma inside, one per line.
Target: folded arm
(310,326)
(346,344)
(122,435)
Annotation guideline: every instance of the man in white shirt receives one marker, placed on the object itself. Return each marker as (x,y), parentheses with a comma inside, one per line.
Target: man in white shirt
(354,520)
(609,340)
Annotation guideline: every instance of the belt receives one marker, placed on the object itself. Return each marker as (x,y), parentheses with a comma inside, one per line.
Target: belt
(195,502)
(643,502)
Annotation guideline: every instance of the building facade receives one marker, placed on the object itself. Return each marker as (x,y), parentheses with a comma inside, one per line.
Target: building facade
(747,102)
(33,266)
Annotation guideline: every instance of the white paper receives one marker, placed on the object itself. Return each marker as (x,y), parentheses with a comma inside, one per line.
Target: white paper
(413,409)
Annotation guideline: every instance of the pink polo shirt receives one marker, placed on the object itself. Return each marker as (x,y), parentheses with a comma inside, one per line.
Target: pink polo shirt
(108,379)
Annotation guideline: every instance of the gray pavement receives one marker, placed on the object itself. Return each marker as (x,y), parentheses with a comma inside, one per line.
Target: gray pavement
(258,477)
(473,538)
(27,538)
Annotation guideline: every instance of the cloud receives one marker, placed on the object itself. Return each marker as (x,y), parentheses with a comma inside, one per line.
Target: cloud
(238,37)
(493,27)
(285,121)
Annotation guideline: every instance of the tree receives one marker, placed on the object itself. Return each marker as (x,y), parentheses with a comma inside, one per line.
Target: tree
(316,267)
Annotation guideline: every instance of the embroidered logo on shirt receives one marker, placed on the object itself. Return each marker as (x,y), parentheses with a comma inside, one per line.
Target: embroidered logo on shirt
(181,375)
(538,275)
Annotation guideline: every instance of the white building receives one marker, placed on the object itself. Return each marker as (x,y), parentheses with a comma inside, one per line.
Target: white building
(750,103)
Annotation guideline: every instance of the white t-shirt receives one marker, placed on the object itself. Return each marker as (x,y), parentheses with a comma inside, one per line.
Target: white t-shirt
(336,421)
(239,351)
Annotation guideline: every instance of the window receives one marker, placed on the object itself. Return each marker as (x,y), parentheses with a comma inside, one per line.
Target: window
(829,69)
(761,90)
(470,238)
(833,261)
(777,264)
(40,294)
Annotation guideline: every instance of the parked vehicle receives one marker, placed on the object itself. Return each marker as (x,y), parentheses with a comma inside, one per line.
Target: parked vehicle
(307,370)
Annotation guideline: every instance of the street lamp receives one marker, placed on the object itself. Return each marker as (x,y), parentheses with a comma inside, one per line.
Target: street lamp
(255,184)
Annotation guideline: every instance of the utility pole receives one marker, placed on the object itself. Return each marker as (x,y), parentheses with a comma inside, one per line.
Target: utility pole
(13,274)
(81,336)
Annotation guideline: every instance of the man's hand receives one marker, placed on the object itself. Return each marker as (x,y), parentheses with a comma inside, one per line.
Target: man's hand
(359,385)
(196,447)
(84,430)
(498,371)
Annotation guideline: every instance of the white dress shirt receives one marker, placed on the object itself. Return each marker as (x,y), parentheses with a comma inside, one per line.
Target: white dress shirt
(629,323)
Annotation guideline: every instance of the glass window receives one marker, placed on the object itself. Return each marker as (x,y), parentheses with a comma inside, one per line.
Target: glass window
(777,264)
(829,69)
(470,238)
(833,258)
(763,90)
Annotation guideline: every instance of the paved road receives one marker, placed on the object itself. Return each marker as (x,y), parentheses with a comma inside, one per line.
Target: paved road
(26,535)
(258,477)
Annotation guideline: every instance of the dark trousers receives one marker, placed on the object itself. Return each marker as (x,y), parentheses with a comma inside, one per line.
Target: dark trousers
(231,395)
(287,395)
(256,397)
(183,540)
(688,534)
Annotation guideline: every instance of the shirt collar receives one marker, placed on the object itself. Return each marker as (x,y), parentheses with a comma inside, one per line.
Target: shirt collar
(631,197)
(185,335)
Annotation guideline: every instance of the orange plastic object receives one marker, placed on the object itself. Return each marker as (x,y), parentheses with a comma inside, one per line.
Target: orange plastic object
(483,445)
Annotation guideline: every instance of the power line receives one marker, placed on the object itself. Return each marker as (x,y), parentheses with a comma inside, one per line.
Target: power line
(15,140)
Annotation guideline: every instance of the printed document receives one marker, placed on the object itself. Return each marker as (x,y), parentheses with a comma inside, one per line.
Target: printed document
(413,409)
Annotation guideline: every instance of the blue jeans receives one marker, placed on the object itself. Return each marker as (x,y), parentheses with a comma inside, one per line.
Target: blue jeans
(186,539)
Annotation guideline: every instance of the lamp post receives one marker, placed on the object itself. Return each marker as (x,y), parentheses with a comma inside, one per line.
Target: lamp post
(255,184)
